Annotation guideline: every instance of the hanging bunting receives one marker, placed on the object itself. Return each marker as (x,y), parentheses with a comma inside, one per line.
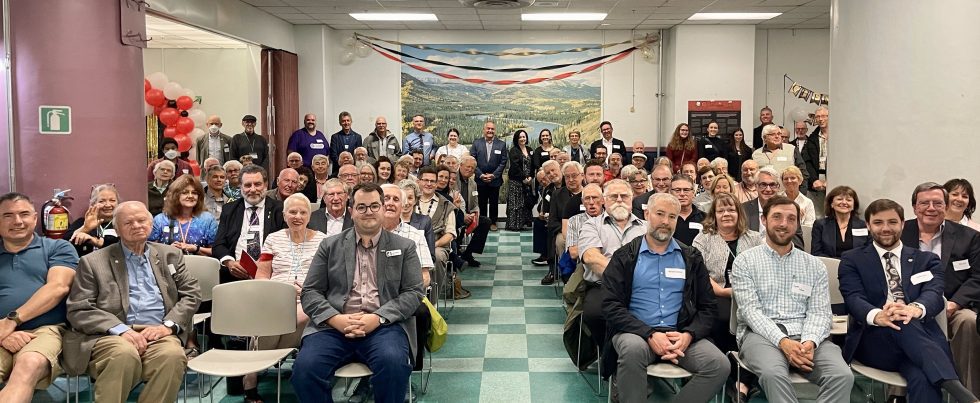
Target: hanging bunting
(806,94)
(646,41)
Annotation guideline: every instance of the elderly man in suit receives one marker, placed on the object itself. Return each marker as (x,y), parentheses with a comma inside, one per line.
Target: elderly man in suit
(215,144)
(471,207)
(491,158)
(333,216)
(361,293)
(894,293)
(130,308)
(958,247)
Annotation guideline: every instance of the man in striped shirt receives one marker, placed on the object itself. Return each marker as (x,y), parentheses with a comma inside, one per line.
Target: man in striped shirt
(784,312)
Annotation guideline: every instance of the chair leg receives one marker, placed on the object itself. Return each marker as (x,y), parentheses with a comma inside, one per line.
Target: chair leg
(279,382)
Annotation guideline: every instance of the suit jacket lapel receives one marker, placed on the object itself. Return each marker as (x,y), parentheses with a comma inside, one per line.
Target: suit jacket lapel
(381,263)
(161,272)
(350,259)
(121,273)
(877,271)
(907,266)
(949,238)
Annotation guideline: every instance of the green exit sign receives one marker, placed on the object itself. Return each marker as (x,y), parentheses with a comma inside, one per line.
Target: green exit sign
(54,119)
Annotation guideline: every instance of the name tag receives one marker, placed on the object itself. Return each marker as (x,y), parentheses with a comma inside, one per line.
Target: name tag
(316,146)
(254,155)
(496,152)
(708,146)
(227,150)
(166,229)
(581,208)
(918,278)
(391,146)
(859,232)
(547,197)
(346,146)
(961,265)
(254,228)
(110,232)
(185,171)
(392,253)
(543,153)
(694,225)
(427,144)
(615,146)
(782,159)
(643,206)
(173,270)
(674,273)
(801,289)
(475,193)
(319,140)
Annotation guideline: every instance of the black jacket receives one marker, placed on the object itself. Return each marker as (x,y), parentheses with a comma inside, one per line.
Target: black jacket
(621,149)
(230,228)
(516,170)
(961,247)
(698,312)
(714,147)
(811,158)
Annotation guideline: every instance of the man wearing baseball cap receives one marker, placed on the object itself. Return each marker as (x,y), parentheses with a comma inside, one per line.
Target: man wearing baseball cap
(250,143)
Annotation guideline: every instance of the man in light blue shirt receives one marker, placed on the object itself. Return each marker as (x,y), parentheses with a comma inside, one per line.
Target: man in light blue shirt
(419,139)
(784,312)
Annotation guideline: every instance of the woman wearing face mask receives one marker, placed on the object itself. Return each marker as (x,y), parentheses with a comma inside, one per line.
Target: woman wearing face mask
(94,230)
(215,144)
(168,152)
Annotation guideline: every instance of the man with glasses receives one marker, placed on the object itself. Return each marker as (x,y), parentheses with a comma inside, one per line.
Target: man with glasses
(441,211)
(419,139)
(690,217)
(661,179)
(348,174)
(381,142)
(767,183)
(607,141)
(778,155)
(286,184)
(250,143)
(569,195)
(369,318)
(333,217)
(958,247)
(600,237)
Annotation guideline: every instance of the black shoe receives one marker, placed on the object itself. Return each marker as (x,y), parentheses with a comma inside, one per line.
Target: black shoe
(540,261)
(470,261)
(234,386)
(548,279)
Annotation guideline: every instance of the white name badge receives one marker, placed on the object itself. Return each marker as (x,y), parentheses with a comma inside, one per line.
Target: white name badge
(316,146)
(475,193)
(186,171)
(110,232)
(859,232)
(254,228)
(782,159)
(615,146)
(427,144)
(319,140)
(166,229)
(961,265)
(543,153)
(695,225)
(801,289)
(708,146)
(346,146)
(392,253)
(922,277)
(496,152)
(581,208)
(172,269)
(674,273)
(227,150)
(547,197)
(391,146)
(254,156)
(643,206)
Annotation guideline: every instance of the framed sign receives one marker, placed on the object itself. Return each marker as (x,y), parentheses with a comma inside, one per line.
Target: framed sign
(728,114)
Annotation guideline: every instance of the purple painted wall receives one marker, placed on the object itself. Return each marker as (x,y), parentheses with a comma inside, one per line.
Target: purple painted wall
(4,160)
(69,53)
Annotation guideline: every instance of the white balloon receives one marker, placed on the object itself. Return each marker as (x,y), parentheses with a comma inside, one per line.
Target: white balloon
(347,57)
(349,42)
(196,133)
(362,50)
(173,90)
(189,92)
(147,109)
(198,116)
(158,80)
(798,114)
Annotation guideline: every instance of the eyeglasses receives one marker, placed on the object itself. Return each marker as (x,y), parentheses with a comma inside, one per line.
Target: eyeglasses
(682,190)
(661,180)
(772,185)
(427,180)
(348,175)
(931,203)
(363,208)
(638,181)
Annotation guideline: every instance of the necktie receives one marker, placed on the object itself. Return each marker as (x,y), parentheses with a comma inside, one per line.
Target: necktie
(252,245)
(894,279)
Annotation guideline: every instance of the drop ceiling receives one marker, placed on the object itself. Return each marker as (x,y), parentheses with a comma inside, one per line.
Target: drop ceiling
(167,34)
(622,14)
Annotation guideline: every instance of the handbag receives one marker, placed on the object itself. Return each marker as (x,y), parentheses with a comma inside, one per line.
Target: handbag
(437,330)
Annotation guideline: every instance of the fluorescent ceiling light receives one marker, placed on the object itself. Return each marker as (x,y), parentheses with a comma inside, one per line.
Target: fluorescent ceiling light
(394,17)
(563,17)
(733,16)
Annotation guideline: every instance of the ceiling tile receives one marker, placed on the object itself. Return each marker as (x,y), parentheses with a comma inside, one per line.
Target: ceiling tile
(262,3)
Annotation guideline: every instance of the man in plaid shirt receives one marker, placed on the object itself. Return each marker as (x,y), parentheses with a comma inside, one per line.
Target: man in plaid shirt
(784,312)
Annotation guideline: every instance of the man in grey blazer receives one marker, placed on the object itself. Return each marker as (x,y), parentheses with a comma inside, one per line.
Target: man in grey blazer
(361,293)
(130,308)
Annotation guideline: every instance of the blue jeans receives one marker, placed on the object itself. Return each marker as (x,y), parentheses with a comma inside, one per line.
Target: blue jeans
(385,351)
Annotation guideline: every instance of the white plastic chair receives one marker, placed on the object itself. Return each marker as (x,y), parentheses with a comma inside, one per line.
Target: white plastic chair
(205,270)
(807,237)
(839,325)
(237,310)
(665,371)
(360,370)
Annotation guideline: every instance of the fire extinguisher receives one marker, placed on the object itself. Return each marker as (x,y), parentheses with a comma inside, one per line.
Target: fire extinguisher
(55,217)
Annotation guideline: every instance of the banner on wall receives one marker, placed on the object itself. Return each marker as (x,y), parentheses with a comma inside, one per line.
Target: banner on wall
(728,114)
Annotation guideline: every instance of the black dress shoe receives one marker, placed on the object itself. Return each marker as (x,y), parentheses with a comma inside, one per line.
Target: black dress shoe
(470,261)
(548,279)
(540,261)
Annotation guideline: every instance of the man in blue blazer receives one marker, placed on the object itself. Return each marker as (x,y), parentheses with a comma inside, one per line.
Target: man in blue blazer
(893,293)
(491,158)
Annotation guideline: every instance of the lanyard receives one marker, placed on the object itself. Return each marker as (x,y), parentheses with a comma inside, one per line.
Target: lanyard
(296,257)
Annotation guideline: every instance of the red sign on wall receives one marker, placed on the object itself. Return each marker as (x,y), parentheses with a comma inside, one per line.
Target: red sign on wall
(728,115)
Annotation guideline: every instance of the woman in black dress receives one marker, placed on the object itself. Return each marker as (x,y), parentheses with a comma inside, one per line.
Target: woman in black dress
(739,153)
(519,178)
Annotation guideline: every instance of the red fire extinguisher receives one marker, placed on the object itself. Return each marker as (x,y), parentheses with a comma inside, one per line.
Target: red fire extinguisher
(55,217)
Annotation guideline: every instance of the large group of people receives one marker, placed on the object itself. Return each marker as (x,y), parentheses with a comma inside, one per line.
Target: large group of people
(668,254)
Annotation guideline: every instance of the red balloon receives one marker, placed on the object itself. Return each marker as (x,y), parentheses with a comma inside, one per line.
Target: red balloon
(154,96)
(157,110)
(183,142)
(169,116)
(185,102)
(184,125)
(195,167)
(146,85)
(170,132)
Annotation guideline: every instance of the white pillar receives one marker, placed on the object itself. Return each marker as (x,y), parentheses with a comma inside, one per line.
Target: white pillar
(905,94)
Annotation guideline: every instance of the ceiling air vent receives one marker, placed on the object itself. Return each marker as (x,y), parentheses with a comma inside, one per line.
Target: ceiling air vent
(497,4)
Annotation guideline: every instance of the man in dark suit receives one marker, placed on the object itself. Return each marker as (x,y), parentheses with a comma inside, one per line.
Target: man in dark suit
(491,158)
(130,308)
(958,247)
(893,293)
(361,293)
(471,208)
(245,223)
(612,145)
(332,218)
(767,183)
(765,116)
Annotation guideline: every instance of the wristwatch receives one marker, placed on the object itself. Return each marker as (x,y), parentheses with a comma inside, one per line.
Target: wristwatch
(382,320)
(173,326)
(14,317)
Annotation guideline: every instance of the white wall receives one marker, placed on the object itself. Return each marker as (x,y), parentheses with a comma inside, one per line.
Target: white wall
(315,71)
(370,87)
(230,17)
(804,55)
(227,80)
(712,62)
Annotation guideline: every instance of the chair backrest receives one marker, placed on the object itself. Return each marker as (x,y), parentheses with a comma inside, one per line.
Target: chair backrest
(733,318)
(941,318)
(205,270)
(254,308)
(807,237)
(832,264)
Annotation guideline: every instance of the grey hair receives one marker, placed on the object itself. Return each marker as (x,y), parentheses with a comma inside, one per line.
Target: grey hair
(410,185)
(768,170)
(718,161)
(615,181)
(393,186)
(296,154)
(669,198)
(575,164)
(297,197)
(467,158)
(549,163)
(334,182)
(214,169)
(164,163)
(98,189)
(770,129)
(232,164)
(320,157)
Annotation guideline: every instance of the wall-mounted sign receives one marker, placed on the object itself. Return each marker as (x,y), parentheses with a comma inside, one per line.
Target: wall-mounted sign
(54,119)
(728,114)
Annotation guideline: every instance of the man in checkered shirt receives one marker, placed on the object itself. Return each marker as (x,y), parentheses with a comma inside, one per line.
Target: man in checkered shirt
(784,312)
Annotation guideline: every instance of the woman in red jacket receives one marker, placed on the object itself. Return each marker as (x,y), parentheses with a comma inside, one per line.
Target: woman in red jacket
(682,147)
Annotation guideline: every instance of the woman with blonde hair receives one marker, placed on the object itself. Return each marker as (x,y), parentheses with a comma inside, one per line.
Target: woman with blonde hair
(792,178)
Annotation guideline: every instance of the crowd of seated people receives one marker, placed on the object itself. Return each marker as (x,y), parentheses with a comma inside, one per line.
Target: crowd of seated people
(661,259)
